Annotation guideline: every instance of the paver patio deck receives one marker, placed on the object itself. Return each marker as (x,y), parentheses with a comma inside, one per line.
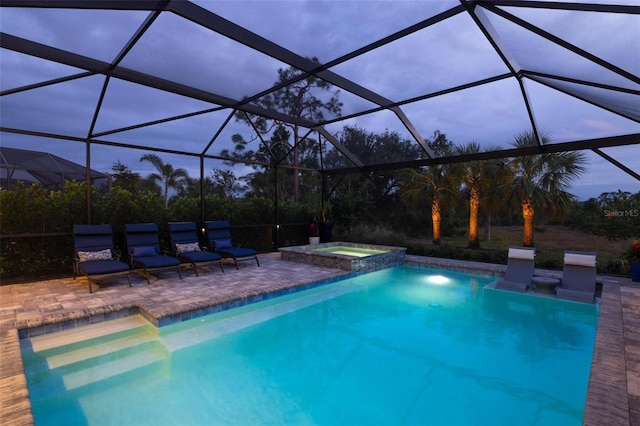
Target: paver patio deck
(46,306)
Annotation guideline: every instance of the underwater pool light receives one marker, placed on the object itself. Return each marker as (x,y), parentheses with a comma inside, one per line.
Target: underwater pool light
(437,279)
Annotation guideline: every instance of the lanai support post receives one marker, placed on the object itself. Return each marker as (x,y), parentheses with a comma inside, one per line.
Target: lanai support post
(277,207)
(88,179)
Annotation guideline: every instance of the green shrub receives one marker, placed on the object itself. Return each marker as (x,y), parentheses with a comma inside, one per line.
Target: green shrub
(369,233)
(613,267)
(548,260)
(460,253)
(39,214)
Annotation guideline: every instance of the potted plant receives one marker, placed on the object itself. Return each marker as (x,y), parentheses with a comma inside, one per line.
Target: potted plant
(314,233)
(634,260)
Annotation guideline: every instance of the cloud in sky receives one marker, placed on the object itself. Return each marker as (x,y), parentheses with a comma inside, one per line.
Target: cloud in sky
(438,57)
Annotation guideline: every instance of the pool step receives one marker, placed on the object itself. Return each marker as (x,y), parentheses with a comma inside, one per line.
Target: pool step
(112,346)
(71,346)
(74,358)
(120,365)
(238,321)
(88,332)
(86,370)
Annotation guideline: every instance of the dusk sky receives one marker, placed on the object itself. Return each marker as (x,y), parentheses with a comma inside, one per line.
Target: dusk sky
(450,53)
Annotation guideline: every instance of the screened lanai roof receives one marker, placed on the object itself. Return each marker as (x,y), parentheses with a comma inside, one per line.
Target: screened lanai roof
(40,167)
(169,76)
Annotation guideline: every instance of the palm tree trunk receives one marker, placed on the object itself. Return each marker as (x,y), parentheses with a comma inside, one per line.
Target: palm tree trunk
(528,212)
(166,193)
(435,218)
(474,206)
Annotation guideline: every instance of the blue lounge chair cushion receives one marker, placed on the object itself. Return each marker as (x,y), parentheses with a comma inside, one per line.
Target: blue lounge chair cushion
(236,252)
(157,261)
(143,245)
(93,245)
(99,267)
(222,244)
(199,256)
(186,246)
(143,251)
(219,238)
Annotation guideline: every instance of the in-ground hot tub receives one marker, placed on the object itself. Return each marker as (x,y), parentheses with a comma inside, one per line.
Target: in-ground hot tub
(346,256)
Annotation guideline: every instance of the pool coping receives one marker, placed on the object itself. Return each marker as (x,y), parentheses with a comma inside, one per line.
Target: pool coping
(159,317)
(614,382)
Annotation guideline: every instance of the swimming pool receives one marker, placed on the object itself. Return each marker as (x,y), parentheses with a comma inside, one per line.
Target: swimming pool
(403,345)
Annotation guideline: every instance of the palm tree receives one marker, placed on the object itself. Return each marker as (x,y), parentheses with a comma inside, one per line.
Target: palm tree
(540,181)
(432,183)
(476,177)
(167,176)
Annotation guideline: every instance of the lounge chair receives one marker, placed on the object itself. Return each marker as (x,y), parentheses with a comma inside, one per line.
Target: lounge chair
(578,277)
(143,247)
(93,245)
(219,239)
(186,247)
(520,264)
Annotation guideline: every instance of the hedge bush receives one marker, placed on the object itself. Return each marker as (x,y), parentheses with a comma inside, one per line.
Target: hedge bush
(40,222)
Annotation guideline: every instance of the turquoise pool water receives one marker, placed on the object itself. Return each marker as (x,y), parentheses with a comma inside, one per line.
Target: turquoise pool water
(405,345)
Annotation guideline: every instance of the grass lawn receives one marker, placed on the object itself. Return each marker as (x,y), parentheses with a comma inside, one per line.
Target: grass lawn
(549,238)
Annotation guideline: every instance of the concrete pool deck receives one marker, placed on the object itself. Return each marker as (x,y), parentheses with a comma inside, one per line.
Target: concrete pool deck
(46,306)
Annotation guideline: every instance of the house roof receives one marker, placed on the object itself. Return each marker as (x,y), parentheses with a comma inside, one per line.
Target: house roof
(40,167)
